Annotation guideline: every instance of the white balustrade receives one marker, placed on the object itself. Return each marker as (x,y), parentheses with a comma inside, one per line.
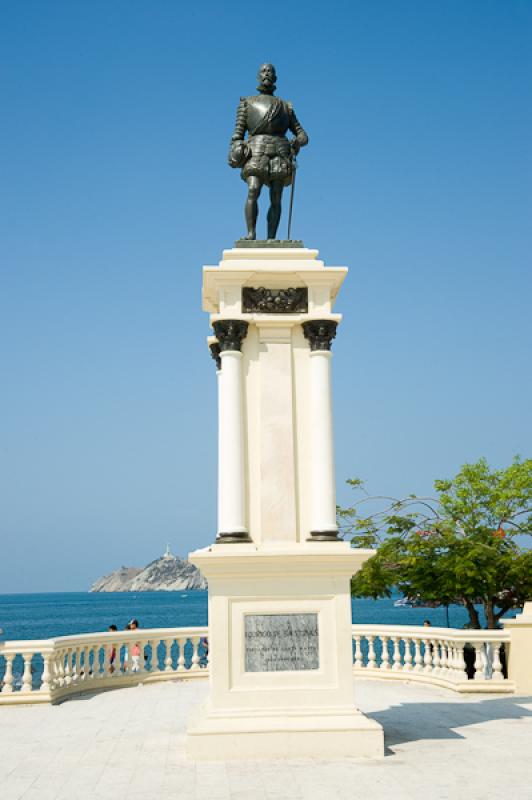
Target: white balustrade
(431,655)
(48,670)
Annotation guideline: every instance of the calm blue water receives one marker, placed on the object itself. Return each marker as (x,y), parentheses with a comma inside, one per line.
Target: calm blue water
(41,616)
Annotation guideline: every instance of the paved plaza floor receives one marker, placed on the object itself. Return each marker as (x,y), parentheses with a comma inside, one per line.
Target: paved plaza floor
(129,743)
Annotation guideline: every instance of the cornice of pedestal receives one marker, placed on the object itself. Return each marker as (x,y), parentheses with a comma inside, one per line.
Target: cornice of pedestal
(271,269)
(309,558)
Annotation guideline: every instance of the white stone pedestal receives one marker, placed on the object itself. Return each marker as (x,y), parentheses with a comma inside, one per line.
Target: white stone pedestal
(280,645)
(308,711)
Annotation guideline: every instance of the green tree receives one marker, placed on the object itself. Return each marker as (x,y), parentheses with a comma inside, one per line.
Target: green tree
(461,546)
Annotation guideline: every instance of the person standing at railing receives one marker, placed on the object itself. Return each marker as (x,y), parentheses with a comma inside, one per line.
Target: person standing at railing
(112,654)
(135,650)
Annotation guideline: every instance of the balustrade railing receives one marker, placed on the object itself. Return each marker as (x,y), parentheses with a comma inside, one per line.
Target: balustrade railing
(463,660)
(47,670)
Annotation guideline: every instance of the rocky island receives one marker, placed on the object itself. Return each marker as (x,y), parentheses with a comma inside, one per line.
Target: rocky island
(166,574)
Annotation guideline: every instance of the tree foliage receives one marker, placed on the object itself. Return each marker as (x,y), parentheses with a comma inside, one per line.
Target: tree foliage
(458,547)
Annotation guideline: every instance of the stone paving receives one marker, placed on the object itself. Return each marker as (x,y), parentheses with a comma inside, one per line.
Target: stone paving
(129,743)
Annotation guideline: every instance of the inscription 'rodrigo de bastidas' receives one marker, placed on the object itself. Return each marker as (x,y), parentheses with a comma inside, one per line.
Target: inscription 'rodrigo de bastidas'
(281,642)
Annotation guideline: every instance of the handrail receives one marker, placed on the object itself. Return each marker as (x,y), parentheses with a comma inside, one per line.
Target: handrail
(428,632)
(103,636)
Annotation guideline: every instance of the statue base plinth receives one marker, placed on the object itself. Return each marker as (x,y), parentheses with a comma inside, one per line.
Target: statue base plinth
(260,243)
(283,735)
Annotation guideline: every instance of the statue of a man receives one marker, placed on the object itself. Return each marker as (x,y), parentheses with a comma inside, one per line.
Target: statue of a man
(266,157)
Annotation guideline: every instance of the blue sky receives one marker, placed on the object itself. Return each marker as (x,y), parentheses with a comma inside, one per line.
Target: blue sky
(116,119)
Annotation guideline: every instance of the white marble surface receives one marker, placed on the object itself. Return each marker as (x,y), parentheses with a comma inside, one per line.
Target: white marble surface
(130,743)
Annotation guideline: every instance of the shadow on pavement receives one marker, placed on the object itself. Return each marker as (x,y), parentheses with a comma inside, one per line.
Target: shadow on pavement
(410,722)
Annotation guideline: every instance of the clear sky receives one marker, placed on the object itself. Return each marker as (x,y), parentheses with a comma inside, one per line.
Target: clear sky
(116,118)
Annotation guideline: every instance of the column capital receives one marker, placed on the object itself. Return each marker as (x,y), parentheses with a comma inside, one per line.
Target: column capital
(320,333)
(230,333)
(215,349)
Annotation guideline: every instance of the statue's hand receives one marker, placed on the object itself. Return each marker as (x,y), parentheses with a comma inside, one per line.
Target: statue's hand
(238,154)
(295,146)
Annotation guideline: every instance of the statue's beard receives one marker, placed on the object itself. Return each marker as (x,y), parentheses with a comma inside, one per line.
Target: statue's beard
(266,86)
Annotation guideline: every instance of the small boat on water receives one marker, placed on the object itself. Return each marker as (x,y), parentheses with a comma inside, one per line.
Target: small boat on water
(409,602)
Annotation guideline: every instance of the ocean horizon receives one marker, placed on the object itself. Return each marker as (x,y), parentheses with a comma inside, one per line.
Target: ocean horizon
(45,615)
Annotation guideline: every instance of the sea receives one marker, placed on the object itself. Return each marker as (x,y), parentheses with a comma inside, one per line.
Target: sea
(43,616)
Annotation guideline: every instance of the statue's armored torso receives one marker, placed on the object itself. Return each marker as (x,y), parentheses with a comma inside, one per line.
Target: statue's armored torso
(266,153)
(267,114)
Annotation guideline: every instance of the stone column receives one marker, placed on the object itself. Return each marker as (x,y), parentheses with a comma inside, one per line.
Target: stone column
(232,487)
(214,347)
(320,334)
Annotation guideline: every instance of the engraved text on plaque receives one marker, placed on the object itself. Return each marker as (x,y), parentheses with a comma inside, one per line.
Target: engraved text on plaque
(281,642)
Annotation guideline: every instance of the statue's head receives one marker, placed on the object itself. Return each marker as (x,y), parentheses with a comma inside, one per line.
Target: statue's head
(266,77)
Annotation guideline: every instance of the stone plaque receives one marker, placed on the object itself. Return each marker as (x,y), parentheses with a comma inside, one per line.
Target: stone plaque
(281,642)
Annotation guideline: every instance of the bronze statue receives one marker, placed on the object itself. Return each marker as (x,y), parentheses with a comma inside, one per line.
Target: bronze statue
(266,157)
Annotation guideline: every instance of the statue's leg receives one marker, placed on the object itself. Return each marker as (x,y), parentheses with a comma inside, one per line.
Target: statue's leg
(251,209)
(274,214)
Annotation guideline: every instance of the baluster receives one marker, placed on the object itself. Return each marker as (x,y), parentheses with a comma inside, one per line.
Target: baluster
(427,657)
(75,664)
(168,660)
(418,661)
(26,675)
(460,665)
(371,653)
(96,662)
(435,656)
(358,652)
(446,657)
(496,663)
(106,665)
(116,663)
(479,661)
(397,665)
(154,656)
(8,677)
(195,654)
(142,660)
(84,665)
(385,656)
(46,674)
(408,654)
(61,668)
(54,683)
(67,680)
